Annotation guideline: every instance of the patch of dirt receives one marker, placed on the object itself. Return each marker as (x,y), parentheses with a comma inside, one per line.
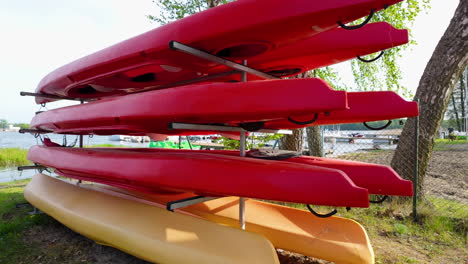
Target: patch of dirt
(446,175)
(399,250)
(59,244)
(390,252)
(287,257)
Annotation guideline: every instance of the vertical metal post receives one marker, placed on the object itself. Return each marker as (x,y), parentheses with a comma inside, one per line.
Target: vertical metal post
(416,167)
(244,74)
(322,134)
(243,139)
(276,144)
(189,143)
(241,199)
(81,138)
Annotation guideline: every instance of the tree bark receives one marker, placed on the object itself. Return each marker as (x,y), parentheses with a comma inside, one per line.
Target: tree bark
(435,87)
(314,137)
(462,100)
(314,141)
(213,3)
(293,142)
(456,112)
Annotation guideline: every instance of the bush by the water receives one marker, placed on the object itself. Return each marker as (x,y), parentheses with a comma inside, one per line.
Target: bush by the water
(11,157)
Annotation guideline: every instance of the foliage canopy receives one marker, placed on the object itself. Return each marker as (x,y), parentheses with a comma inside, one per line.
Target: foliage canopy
(383,74)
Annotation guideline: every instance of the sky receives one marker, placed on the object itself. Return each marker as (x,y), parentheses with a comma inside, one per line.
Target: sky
(37,37)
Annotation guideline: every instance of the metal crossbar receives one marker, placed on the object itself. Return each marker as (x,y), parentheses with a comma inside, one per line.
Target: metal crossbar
(189,126)
(213,58)
(32,167)
(33,131)
(51,96)
(171,206)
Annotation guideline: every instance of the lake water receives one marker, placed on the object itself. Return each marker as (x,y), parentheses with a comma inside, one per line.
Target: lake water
(25,141)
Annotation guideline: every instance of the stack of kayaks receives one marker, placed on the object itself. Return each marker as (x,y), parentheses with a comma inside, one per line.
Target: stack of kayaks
(136,89)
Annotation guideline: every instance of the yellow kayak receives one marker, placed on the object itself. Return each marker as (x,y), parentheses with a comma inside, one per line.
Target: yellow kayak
(336,239)
(143,230)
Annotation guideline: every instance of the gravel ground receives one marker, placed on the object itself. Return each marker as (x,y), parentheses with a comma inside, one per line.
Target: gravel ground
(446,175)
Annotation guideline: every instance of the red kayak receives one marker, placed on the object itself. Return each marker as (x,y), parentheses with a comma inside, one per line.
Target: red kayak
(325,49)
(152,111)
(321,50)
(235,31)
(376,178)
(363,107)
(205,174)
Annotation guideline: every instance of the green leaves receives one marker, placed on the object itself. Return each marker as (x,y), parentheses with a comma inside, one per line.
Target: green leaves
(254,141)
(385,73)
(172,10)
(331,76)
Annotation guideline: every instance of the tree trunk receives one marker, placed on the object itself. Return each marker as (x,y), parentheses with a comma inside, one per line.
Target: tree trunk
(213,3)
(293,142)
(296,140)
(462,100)
(435,87)
(314,141)
(456,112)
(314,137)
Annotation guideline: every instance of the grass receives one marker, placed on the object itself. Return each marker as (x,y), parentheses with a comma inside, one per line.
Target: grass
(450,142)
(12,157)
(14,222)
(388,225)
(449,207)
(444,144)
(364,156)
(433,234)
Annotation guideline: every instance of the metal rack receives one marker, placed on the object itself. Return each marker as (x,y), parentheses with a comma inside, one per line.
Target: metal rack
(242,69)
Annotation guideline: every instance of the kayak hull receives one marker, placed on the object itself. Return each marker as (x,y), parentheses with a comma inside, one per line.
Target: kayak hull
(235,103)
(145,231)
(377,179)
(362,107)
(147,60)
(203,173)
(324,49)
(335,239)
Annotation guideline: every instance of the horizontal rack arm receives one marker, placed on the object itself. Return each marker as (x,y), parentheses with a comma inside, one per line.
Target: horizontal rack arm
(33,131)
(175,126)
(53,96)
(31,167)
(171,206)
(207,56)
